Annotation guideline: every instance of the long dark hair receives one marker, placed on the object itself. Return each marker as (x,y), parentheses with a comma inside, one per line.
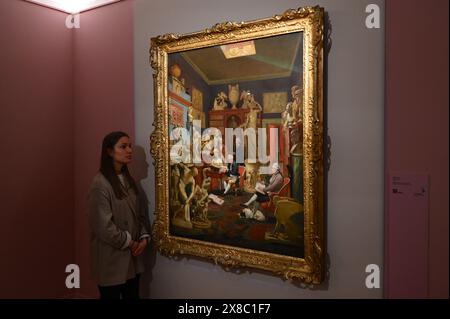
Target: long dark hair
(107,165)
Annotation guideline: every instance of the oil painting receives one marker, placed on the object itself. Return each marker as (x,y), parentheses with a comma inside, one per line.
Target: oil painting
(237,144)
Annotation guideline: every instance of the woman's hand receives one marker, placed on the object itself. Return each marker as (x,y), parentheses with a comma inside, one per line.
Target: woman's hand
(140,247)
(133,245)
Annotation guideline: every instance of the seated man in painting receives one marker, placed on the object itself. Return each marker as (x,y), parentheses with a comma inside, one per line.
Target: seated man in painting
(232,174)
(262,191)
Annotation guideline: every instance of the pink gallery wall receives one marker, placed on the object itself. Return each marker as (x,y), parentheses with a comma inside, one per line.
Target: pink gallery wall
(36,129)
(61,91)
(103,102)
(416,141)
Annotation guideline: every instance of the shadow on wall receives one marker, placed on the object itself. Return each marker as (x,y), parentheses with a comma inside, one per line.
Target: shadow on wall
(140,169)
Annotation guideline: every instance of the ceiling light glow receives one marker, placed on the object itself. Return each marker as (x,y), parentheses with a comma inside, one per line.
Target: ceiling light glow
(72,6)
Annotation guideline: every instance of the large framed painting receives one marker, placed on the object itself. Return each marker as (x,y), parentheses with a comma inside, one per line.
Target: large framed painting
(238,144)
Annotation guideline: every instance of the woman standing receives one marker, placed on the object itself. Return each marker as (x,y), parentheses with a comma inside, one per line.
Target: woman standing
(119,232)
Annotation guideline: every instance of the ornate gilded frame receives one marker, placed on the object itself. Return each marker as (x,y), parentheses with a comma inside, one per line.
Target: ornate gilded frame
(310,21)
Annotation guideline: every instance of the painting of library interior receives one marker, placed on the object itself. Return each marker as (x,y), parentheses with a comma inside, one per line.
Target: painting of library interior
(242,201)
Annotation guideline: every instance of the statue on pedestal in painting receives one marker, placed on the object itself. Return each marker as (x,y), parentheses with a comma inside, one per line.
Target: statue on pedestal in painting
(186,193)
(251,121)
(233,95)
(293,122)
(220,102)
(294,110)
(200,206)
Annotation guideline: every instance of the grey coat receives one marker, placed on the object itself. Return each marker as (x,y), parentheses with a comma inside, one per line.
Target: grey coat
(113,223)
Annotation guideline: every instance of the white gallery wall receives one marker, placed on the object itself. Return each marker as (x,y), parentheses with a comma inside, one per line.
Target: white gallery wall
(354,207)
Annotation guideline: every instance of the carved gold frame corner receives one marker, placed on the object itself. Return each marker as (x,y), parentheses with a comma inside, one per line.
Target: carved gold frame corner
(310,21)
